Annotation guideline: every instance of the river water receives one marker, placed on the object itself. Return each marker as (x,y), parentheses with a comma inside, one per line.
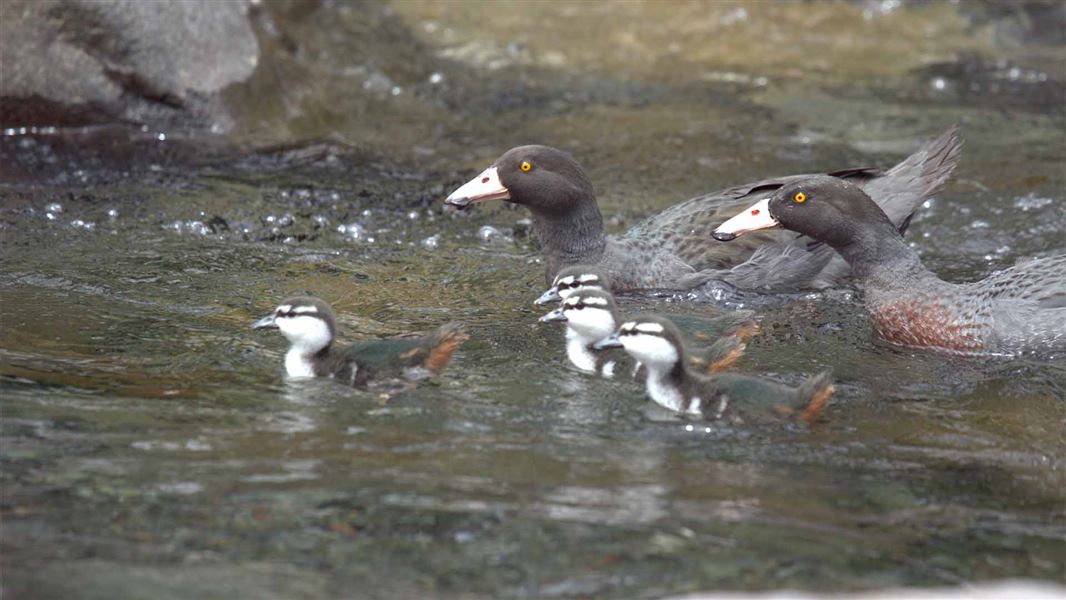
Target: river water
(151,447)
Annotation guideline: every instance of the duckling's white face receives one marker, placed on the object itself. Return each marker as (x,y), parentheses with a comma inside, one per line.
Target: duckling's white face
(645,342)
(303,327)
(590,317)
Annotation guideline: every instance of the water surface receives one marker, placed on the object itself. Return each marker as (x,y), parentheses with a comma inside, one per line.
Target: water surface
(151,447)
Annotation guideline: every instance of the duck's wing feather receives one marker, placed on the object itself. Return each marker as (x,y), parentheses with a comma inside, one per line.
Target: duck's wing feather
(685,229)
(1025,304)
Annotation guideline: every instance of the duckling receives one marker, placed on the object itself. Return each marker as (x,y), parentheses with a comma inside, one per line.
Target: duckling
(309,325)
(591,315)
(671,383)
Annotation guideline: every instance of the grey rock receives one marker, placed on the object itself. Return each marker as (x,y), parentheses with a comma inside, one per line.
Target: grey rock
(164,64)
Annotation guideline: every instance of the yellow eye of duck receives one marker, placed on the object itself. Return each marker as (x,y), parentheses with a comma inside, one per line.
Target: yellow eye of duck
(800,197)
(525,166)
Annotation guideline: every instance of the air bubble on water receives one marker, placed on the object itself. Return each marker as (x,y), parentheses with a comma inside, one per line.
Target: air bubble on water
(196,227)
(183,488)
(112,213)
(736,15)
(979,224)
(54,207)
(162,137)
(489,233)
(436,78)
(689,428)
(197,445)
(431,242)
(322,220)
(367,212)
(1031,202)
(940,84)
(285,220)
(413,215)
(377,81)
(80,224)
(353,231)
(877,8)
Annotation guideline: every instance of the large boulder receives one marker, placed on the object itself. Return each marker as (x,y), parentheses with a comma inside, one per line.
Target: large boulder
(163,64)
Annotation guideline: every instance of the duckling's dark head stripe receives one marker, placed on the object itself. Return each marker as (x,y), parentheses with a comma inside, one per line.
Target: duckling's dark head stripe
(305,310)
(642,327)
(575,281)
(580,302)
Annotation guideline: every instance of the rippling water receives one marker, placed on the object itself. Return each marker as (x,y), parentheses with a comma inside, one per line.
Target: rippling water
(150,446)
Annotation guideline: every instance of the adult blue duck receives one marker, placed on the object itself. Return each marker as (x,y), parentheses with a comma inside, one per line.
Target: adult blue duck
(1019,309)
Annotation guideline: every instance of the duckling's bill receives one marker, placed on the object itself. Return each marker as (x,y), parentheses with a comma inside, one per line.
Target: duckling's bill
(755,217)
(267,322)
(610,341)
(482,188)
(552,295)
(553,316)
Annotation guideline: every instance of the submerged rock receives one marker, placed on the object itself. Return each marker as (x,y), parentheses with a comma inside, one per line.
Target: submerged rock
(77,62)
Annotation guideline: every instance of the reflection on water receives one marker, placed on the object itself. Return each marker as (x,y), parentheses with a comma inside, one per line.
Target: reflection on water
(150,442)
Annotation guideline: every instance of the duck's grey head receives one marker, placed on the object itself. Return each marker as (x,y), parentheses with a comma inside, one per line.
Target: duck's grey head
(544,179)
(590,313)
(574,279)
(825,208)
(307,322)
(653,340)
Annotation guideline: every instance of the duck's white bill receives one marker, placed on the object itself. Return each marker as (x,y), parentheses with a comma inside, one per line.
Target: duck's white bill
(756,217)
(482,188)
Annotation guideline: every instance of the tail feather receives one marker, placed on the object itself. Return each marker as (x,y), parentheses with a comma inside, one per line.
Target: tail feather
(746,330)
(446,341)
(813,395)
(904,187)
(728,358)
